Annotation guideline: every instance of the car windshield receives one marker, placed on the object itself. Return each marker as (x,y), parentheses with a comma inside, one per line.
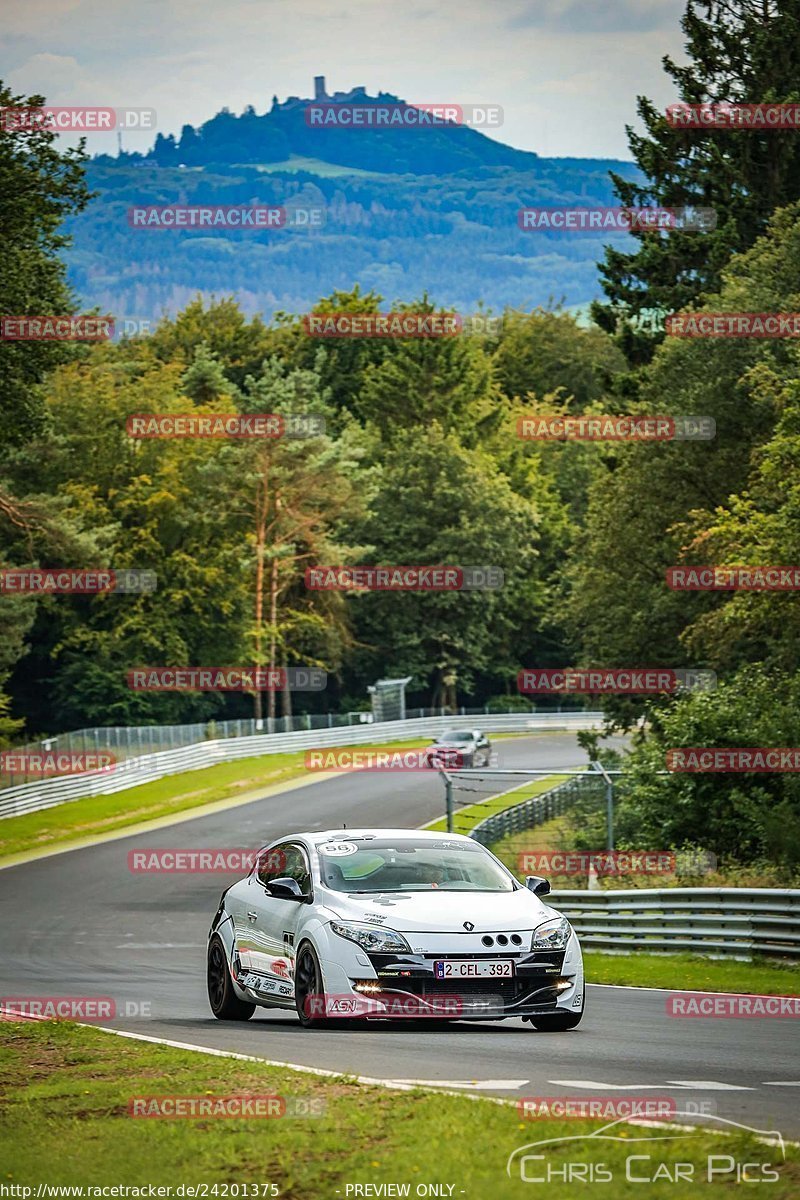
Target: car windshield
(455,736)
(406,865)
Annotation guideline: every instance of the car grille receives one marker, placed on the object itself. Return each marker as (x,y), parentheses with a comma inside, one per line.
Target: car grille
(532,989)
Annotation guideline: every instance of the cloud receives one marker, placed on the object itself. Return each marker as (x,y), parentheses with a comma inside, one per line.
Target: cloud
(187,60)
(48,74)
(590,16)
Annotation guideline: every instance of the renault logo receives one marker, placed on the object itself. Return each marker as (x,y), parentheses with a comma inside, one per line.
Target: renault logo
(469,926)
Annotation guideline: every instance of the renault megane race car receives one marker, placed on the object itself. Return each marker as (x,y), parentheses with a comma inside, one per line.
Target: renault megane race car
(385,923)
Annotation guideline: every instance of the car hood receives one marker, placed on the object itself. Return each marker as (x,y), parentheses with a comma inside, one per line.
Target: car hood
(438,911)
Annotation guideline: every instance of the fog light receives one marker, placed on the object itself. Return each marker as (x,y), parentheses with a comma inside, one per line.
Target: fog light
(563,984)
(366,986)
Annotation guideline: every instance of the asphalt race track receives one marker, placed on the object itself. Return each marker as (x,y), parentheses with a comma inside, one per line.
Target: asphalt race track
(80,923)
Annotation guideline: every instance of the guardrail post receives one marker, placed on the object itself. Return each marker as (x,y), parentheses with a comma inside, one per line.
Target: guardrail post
(448,796)
(610,813)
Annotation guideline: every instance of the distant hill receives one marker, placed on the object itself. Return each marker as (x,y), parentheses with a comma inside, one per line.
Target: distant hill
(284,132)
(404,214)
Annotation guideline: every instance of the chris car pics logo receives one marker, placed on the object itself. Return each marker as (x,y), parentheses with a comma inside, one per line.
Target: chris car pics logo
(624,1151)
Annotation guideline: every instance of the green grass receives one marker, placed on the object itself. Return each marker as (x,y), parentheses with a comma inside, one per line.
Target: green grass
(693,972)
(315,166)
(64,1120)
(170,796)
(470,815)
(80,819)
(550,835)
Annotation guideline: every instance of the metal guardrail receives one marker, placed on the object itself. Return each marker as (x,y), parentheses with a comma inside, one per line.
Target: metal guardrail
(133,741)
(32,797)
(737,923)
(720,922)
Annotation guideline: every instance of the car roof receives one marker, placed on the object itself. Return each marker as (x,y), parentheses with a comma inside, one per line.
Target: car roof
(343,835)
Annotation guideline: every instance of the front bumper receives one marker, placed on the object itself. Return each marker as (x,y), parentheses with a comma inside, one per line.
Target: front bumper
(404,984)
(536,986)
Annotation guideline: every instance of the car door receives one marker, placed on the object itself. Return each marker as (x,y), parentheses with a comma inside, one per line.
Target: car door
(269,923)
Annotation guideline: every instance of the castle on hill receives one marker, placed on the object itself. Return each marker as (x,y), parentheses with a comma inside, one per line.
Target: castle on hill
(321,97)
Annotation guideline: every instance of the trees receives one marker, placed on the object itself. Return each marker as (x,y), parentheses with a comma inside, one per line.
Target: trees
(741,818)
(739,51)
(40,185)
(240,345)
(227,526)
(287,498)
(547,350)
(636,526)
(438,502)
(758,525)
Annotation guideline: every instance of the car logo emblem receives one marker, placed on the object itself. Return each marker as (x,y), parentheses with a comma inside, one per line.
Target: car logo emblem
(469,926)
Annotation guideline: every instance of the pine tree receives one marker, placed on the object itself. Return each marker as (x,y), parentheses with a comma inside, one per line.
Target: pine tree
(740,51)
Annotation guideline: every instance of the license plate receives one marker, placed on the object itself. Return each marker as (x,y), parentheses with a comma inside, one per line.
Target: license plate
(464,968)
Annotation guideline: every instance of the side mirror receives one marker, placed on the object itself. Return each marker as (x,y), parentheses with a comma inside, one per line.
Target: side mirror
(285,889)
(539,886)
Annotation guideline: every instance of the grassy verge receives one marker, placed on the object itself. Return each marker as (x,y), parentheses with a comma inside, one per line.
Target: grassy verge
(64,1120)
(548,836)
(693,972)
(170,796)
(81,819)
(468,817)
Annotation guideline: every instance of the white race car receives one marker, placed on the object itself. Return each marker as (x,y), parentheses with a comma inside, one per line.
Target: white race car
(388,923)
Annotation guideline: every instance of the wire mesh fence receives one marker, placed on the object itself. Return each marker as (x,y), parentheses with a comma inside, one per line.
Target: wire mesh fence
(575,847)
(515,813)
(133,741)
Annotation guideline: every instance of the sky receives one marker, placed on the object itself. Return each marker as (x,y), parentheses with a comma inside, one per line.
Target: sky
(565,72)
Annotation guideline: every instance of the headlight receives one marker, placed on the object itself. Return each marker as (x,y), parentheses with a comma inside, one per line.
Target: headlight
(372,937)
(552,935)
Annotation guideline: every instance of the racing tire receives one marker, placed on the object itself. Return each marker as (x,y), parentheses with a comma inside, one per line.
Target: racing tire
(225,1004)
(308,982)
